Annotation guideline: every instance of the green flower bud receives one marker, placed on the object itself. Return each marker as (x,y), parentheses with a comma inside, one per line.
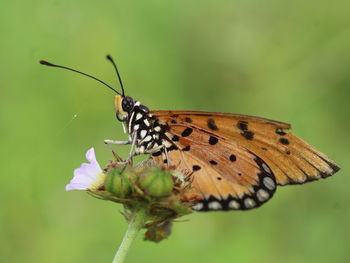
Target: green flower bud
(117,182)
(156,182)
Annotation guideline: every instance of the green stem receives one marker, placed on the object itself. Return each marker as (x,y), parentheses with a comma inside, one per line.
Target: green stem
(135,225)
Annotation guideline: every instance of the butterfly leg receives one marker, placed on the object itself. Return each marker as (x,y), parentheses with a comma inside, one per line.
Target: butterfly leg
(116,156)
(132,152)
(166,156)
(116,142)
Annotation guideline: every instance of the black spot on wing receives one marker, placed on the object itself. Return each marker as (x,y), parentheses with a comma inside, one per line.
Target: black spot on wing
(187,132)
(232,158)
(213,140)
(172,147)
(196,167)
(213,162)
(280,131)
(187,119)
(156,153)
(212,125)
(242,125)
(284,141)
(175,138)
(249,135)
(187,148)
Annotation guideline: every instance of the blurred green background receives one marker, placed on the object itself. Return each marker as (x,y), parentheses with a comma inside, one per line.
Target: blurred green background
(284,60)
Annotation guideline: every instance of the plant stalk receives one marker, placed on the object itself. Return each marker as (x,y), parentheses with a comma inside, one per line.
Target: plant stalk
(135,225)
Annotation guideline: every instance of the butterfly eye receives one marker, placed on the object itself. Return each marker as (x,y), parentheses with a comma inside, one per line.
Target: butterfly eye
(127,104)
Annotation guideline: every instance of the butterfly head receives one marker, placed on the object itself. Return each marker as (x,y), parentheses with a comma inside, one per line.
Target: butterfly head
(124,106)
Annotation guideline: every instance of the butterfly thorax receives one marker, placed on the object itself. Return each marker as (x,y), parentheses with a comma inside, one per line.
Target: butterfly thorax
(143,128)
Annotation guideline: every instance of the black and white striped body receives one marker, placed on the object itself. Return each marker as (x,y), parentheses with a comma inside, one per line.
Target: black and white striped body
(145,133)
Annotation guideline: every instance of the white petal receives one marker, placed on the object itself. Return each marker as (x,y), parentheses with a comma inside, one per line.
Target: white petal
(88,176)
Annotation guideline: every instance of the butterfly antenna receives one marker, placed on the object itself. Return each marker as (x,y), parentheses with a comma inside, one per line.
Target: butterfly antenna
(43,62)
(116,69)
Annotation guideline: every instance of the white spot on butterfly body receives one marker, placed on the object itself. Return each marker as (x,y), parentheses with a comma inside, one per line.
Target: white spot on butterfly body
(249,203)
(148,138)
(143,133)
(137,103)
(198,206)
(146,122)
(233,204)
(214,205)
(138,116)
(266,168)
(262,195)
(269,183)
(142,149)
(136,127)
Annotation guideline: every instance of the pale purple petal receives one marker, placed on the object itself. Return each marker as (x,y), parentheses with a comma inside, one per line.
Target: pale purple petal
(88,176)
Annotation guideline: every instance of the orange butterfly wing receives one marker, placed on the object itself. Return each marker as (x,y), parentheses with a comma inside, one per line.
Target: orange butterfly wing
(259,146)
(225,175)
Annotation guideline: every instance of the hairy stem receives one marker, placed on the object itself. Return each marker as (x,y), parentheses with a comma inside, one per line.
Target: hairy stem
(135,225)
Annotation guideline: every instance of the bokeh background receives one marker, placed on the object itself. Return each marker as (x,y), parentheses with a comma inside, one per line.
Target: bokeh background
(284,60)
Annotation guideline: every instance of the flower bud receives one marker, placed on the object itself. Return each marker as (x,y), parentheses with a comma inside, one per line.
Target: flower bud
(156,182)
(158,232)
(117,182)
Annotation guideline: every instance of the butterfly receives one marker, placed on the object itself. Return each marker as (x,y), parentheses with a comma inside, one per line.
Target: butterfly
(235,161)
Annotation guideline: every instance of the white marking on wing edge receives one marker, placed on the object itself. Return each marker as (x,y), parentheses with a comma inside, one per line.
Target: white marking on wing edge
(214,205)
(269,183)
(262,195)
(233,204)
(249,203)
(198,206)
(266,168)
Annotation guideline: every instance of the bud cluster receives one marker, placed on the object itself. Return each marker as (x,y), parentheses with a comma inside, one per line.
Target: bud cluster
(150,188)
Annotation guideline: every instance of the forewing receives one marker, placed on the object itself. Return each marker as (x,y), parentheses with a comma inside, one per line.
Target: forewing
(292,160)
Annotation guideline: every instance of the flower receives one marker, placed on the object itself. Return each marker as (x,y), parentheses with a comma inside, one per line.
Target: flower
(89,176)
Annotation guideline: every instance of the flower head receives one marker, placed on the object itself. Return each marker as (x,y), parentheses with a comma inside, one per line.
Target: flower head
(89,176)
(156,191)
